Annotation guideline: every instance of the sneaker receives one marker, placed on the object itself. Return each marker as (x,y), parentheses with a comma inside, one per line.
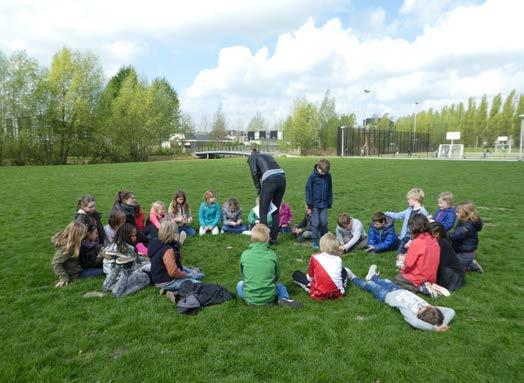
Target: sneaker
(246,232)
(301,239)
(125,260)
(373,270)
(171,296)
(290,303)
(351,275)
(182,237)
(399,264)
(475,266)
(315,246)
(162,292)
(427,289)
(441,290)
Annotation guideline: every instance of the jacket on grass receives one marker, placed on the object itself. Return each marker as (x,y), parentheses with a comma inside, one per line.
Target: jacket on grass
(422,260)
(319,190)
(260,272)
(465,237)
(209,215)
(384,239)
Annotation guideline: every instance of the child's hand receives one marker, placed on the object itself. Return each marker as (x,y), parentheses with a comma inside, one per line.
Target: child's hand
(408,244)
(441,328)
(62,283)
(341,248)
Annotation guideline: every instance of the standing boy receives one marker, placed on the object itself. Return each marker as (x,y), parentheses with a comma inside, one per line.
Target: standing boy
(319,198)
(260,272)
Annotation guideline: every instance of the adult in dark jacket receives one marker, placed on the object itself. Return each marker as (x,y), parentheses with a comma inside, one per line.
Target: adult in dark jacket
(450,273)
(270,182)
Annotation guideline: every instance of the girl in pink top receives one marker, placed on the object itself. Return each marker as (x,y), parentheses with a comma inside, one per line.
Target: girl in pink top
(285,218)
(157,213)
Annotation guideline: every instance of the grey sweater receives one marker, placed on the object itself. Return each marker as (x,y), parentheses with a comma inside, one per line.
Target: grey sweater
(409,304)
(229,217)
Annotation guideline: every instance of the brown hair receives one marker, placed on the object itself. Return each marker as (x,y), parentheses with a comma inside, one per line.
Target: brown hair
(418,224)
(84,201)
(116,218)
(123,237)
(70,238)
(379,217)
(324,165)
(467,211)
(123,195)
(173,207)
(438,230)
(431,315)
(446,197)
(343,219)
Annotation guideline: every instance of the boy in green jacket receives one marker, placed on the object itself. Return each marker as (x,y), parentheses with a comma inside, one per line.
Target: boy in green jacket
(260,271)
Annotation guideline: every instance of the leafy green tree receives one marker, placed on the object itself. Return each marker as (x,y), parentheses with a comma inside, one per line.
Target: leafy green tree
(187,126)
(481,120)
(305,122)
(506,118)
(257,123)
(519,110)
(163,110)
(329,123)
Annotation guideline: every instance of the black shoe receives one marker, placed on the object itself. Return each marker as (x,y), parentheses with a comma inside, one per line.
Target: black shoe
(301,239)
(272,242)
(475,266)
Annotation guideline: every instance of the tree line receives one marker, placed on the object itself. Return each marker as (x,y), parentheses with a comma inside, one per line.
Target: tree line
(48,115)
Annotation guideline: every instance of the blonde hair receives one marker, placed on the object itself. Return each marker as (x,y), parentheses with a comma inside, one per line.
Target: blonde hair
(447,197)
(417,194)
(343,219)
(259,233)
(70,238)
(329,244)
(208,195)
(467,211)
(168,232)
(158,204)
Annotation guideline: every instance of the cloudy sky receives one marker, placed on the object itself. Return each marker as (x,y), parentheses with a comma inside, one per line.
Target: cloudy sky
(250,56)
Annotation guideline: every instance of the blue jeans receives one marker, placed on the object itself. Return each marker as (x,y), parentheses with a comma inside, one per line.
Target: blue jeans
(91,272)
(188,229)
(234,229)
(281,291)
(175,283)
(402,249)
(465,259)
(285,229)
(378,287)
(319,223)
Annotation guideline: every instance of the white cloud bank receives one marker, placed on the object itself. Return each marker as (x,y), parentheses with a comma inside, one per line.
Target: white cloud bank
(468,51)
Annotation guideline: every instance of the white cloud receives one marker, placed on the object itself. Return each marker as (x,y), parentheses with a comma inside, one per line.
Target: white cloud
(456,57)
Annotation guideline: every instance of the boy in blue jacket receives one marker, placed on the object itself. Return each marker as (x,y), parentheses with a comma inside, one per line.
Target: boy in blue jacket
(319,198)
(381,235)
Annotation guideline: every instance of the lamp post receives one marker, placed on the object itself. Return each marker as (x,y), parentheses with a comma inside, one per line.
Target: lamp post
(414,129)
(366,91)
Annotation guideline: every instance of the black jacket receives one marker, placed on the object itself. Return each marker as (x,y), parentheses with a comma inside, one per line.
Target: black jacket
(465,237)
(93,219)
(128,210)
(450,273)
(319,190)
(194,296)
(260,163)
(155,252)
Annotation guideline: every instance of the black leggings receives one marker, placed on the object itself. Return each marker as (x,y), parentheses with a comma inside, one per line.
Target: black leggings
(273,189)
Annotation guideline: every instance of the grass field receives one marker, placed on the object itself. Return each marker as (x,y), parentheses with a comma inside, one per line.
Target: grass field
(55,335)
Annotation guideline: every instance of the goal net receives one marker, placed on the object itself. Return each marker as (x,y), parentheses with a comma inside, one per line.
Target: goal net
(450,151)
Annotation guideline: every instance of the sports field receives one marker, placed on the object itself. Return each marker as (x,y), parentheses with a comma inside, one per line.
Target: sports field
(55,335)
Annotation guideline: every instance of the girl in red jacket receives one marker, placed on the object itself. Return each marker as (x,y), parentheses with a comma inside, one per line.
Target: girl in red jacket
(419,272)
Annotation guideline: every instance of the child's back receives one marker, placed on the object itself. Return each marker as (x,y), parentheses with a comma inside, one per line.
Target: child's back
(259,266)
(325,273)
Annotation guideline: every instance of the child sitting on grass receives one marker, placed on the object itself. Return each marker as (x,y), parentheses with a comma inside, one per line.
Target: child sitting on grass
(67,250)
(126,271)
(445,214)
(89,257)
(209,214)
(116,219)
(350,233)
(156,215)
(326,278)
(285,216)
(260,272)
(381,234)
(465,237)
(450,273)
(253,218)
(419,272)
(87,214)
(180,213)
(167,271)
(415,310)
(415,199)
(232,217)
(303,229)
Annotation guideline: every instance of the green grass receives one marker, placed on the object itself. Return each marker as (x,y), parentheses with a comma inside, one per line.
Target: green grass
(56,335)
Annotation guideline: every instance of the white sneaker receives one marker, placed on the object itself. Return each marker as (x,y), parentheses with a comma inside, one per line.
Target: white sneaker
(246,232)
(182,237)
(399,264)
(371,272)
(440,290)
(351,275)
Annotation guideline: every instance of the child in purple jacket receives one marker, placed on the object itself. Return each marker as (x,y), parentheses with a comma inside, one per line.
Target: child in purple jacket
(445,214)
(285,218)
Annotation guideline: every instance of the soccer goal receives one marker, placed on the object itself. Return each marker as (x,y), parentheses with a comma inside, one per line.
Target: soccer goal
(451,151)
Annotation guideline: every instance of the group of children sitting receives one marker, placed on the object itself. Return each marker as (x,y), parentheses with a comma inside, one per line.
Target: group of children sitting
(133,252)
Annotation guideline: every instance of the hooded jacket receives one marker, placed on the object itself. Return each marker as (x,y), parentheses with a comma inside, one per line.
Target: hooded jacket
(465,237)
(319,190)
(445,217)
(228,216)
(384,239)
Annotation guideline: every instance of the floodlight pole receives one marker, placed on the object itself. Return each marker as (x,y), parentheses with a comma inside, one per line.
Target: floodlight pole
(342,140)
(521,134)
